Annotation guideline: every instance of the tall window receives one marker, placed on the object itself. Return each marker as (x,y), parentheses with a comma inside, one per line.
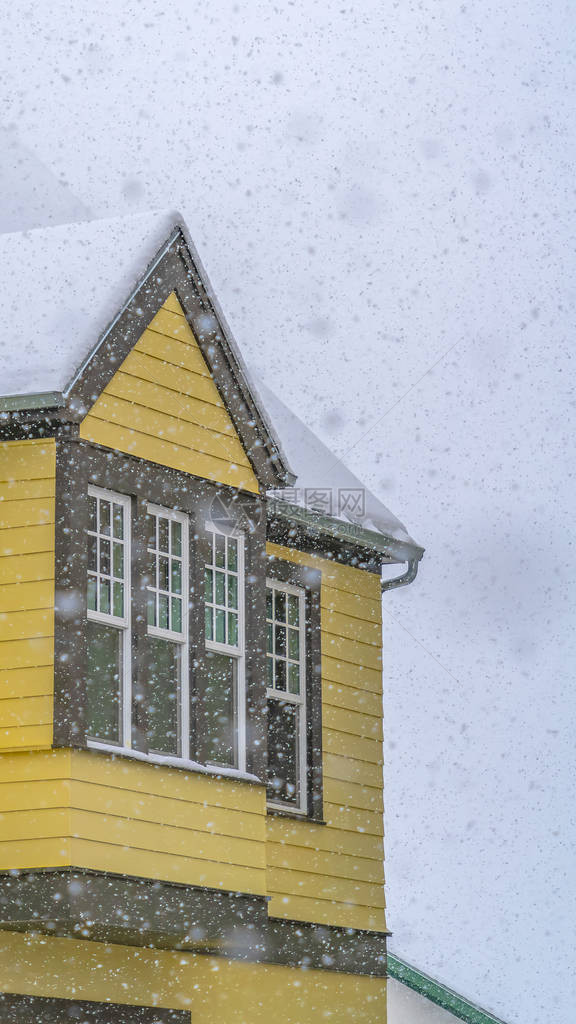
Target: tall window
(224,691)
(286,691)
(167,652)
(108,628)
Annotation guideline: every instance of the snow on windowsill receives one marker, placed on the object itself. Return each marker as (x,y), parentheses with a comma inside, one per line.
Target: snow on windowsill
(175,762)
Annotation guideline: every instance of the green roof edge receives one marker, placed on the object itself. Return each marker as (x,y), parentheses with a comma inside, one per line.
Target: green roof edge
(384,544)
(439,994)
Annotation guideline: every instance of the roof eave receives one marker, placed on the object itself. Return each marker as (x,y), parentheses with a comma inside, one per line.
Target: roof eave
(391,549)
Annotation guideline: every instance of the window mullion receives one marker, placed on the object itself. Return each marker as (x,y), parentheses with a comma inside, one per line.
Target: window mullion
(140,573)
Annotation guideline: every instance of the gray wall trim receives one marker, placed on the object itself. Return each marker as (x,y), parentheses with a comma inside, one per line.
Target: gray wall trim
(31,1009)
(119,909)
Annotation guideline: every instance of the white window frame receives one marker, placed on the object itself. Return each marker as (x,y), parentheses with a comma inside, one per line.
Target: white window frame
(298,699)
(239,652)
(122,624)
(182,639)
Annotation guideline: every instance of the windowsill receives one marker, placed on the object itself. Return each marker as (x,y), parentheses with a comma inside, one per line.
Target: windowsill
(287,812)
(175,762)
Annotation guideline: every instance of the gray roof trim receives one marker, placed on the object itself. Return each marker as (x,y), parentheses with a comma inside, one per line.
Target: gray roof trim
(393,550)
(235,357)
(139,284)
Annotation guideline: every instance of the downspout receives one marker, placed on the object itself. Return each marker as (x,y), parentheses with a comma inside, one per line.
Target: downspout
(402,581)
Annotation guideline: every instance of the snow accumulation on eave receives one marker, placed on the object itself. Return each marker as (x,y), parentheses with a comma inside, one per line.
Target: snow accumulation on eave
(60,288)
(327,494)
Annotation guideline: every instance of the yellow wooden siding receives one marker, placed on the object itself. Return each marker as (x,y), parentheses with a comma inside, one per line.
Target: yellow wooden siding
(132,818)
(27,486)
(211,989)
(334,873)
(163,405)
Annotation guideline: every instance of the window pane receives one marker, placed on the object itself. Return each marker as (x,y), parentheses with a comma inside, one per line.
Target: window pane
(162,533)
(233,629)
(151,609)
(280,605)
(105,597)
(282,752)
(293,610)
(281,640)
(176,529)
(270,638)
(294,643)
(118,560)
(232,591)
(269,610)
(118,599)
(105,517)
(176,576)
(220,626)
(293,678)
(163,570)
(119,522)
(176,613)
(280,674)
(163,611)
(270,672)
(220,580)
(105,557)
(103,682)
(220,542)
(163,692)
(208,579)
(232,554)
(219,708)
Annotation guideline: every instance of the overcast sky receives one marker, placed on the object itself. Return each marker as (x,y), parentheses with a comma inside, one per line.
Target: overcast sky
(383,196)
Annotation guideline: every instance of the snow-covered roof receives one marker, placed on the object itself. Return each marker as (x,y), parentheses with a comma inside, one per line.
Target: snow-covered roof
(325,485)
(61,286)
(61,289)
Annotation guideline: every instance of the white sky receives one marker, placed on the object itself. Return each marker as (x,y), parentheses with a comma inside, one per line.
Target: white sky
(383,196)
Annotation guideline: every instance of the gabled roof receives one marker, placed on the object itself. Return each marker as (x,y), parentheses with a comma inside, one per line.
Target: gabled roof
(74,299)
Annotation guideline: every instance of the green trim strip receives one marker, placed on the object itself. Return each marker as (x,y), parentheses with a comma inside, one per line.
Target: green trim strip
(19,403)
(437,993)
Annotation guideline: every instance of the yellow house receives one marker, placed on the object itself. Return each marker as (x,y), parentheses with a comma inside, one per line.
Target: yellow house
(190,660)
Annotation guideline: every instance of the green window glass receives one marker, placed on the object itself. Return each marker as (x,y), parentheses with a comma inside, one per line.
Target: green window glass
(104,682)
(163,673)
(166,659)
(219,710)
